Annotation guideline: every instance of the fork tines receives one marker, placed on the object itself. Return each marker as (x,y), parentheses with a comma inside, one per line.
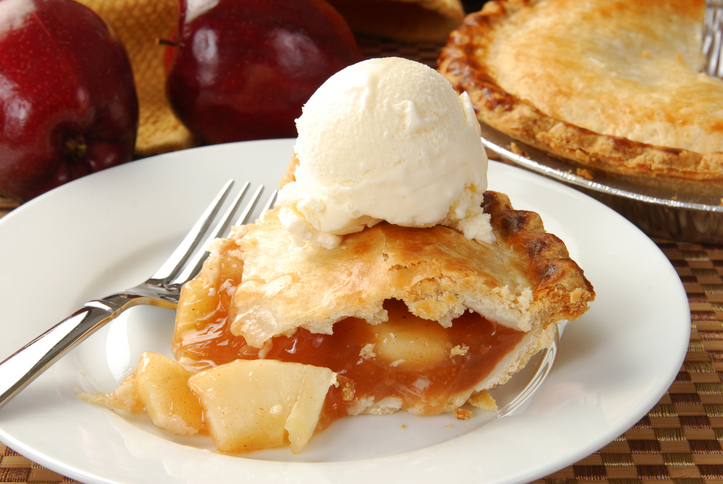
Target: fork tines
(193,266)
(712,37)
(187,259)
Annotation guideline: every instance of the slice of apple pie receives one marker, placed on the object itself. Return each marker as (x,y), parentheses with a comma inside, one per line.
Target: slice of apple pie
(275,341)
(282,334)
(415,319)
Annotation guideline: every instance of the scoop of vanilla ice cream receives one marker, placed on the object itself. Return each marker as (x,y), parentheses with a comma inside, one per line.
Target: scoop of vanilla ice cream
(386,139)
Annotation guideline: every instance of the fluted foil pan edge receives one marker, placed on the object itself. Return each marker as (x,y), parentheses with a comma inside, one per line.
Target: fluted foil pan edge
(658,213)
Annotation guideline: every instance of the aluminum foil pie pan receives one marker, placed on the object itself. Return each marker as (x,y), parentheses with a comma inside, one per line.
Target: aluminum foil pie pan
(660,213)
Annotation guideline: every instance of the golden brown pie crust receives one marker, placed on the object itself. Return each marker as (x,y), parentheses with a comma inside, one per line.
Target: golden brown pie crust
(530,93)
(526,281)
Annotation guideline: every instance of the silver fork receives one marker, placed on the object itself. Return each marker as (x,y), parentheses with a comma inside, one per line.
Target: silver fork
(713,38)
(162,289)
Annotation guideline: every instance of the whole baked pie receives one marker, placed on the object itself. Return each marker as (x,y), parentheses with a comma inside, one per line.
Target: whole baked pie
(615,85)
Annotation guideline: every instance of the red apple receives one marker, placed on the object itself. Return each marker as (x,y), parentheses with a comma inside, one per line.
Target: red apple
(68,104)
(242,69)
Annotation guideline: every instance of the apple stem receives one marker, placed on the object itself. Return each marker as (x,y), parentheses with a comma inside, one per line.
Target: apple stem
(167,42)
(76,148)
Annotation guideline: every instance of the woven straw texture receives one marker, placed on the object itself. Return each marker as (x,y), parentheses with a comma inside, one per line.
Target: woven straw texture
(150,20)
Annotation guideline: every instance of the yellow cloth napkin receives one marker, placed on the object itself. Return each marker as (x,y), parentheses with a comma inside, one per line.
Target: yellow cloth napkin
(140,23)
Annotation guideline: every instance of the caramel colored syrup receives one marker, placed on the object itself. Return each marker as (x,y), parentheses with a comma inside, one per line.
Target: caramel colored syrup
(412,359)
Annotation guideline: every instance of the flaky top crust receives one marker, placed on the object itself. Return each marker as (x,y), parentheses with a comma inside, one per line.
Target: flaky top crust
(524,280)
(611,84)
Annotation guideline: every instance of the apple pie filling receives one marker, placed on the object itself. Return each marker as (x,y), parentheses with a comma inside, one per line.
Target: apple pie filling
(406,363)
(274,342)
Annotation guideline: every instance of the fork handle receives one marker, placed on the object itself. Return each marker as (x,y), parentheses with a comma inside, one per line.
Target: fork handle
(18,370)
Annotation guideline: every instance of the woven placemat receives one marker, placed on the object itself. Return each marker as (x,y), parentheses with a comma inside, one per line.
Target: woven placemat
(679,441)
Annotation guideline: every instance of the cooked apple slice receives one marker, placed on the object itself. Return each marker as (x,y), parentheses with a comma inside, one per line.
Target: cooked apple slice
(251,405)
(198,301)
(159,386)
(410,343)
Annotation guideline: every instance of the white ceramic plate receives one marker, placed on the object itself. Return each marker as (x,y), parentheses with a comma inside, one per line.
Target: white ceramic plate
(109,231)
